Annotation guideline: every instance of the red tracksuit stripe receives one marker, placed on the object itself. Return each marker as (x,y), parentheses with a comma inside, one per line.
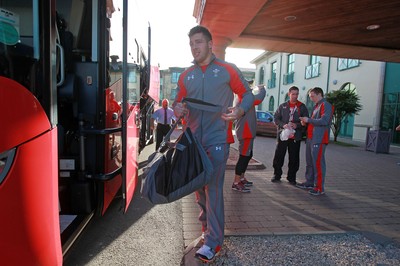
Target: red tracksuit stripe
(182,89)
(319,168)
(246,145)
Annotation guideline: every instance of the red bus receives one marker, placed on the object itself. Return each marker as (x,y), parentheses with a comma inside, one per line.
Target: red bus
(76,93)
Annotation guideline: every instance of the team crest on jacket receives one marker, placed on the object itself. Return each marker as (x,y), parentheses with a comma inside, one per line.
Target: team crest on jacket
(190,77)
(216,72)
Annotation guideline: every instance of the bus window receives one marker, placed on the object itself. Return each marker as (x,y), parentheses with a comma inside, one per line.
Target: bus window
(19,47)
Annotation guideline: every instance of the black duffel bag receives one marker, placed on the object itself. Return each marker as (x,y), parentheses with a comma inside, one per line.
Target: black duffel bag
(176,169)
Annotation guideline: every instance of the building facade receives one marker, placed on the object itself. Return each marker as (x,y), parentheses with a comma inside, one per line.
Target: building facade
(375,82)
(168,82)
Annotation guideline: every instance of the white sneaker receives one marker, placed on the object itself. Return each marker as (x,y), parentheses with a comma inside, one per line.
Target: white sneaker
(205,254)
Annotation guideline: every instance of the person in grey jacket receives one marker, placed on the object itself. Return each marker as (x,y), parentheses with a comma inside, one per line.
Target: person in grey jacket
(318,131)
(214,82)
(287,117)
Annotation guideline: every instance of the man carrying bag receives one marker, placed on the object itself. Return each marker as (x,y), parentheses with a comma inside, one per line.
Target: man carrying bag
(213,81)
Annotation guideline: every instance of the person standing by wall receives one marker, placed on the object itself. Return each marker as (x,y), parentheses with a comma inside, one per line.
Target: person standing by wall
(287,117)
(213,81)
(318,131)
(164,118)
(245,128)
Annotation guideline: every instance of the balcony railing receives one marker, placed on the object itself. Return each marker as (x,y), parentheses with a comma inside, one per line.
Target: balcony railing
(345,63)
(271,83)
(288,78)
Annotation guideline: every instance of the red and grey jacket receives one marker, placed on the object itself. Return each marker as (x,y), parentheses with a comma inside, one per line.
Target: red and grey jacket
(246,126)
(319,124)
(216,85)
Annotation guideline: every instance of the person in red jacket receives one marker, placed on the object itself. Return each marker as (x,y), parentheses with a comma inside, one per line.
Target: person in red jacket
(318,130)
(245,128)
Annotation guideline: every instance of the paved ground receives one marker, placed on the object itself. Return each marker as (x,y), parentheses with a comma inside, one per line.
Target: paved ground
(362,194)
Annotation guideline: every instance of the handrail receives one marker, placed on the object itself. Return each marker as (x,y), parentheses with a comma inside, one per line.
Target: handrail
(103,131)
(62,73)
(106,176)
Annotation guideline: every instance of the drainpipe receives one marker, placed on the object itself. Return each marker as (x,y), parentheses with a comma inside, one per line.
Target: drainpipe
(329,74)
(279,80)
(377,120)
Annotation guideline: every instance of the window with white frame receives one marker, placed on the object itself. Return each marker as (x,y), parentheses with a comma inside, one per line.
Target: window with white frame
(290,64)
(288,78)
(272,81)
(262,73)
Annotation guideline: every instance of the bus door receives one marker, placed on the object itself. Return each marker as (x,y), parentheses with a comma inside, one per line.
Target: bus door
(129,73)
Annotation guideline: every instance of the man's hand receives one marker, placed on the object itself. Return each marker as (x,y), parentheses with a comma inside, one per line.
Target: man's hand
(180,110)
(292,125)
(235,113)
(304,120)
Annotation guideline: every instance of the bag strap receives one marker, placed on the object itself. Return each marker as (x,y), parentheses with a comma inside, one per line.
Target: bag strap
(194,103)
(202,105)
(168,135)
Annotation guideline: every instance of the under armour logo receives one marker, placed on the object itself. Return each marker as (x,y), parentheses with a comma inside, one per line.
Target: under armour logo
(218,148)
(190,77)
(216,72)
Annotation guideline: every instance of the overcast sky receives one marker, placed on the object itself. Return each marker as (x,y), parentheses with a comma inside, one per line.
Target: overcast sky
(170,22)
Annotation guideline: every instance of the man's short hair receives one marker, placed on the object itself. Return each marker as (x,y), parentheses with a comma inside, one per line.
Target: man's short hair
(293,88)
(317,90)
(200,29)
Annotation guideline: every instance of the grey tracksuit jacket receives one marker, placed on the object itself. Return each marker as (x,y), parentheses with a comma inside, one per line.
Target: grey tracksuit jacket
(216,86)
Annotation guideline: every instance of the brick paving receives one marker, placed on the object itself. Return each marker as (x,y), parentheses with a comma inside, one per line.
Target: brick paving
(362,194)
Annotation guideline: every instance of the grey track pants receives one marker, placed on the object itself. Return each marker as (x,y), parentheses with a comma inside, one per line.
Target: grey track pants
(211,199)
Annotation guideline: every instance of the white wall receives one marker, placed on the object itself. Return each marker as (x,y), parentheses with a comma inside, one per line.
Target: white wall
(368,81)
